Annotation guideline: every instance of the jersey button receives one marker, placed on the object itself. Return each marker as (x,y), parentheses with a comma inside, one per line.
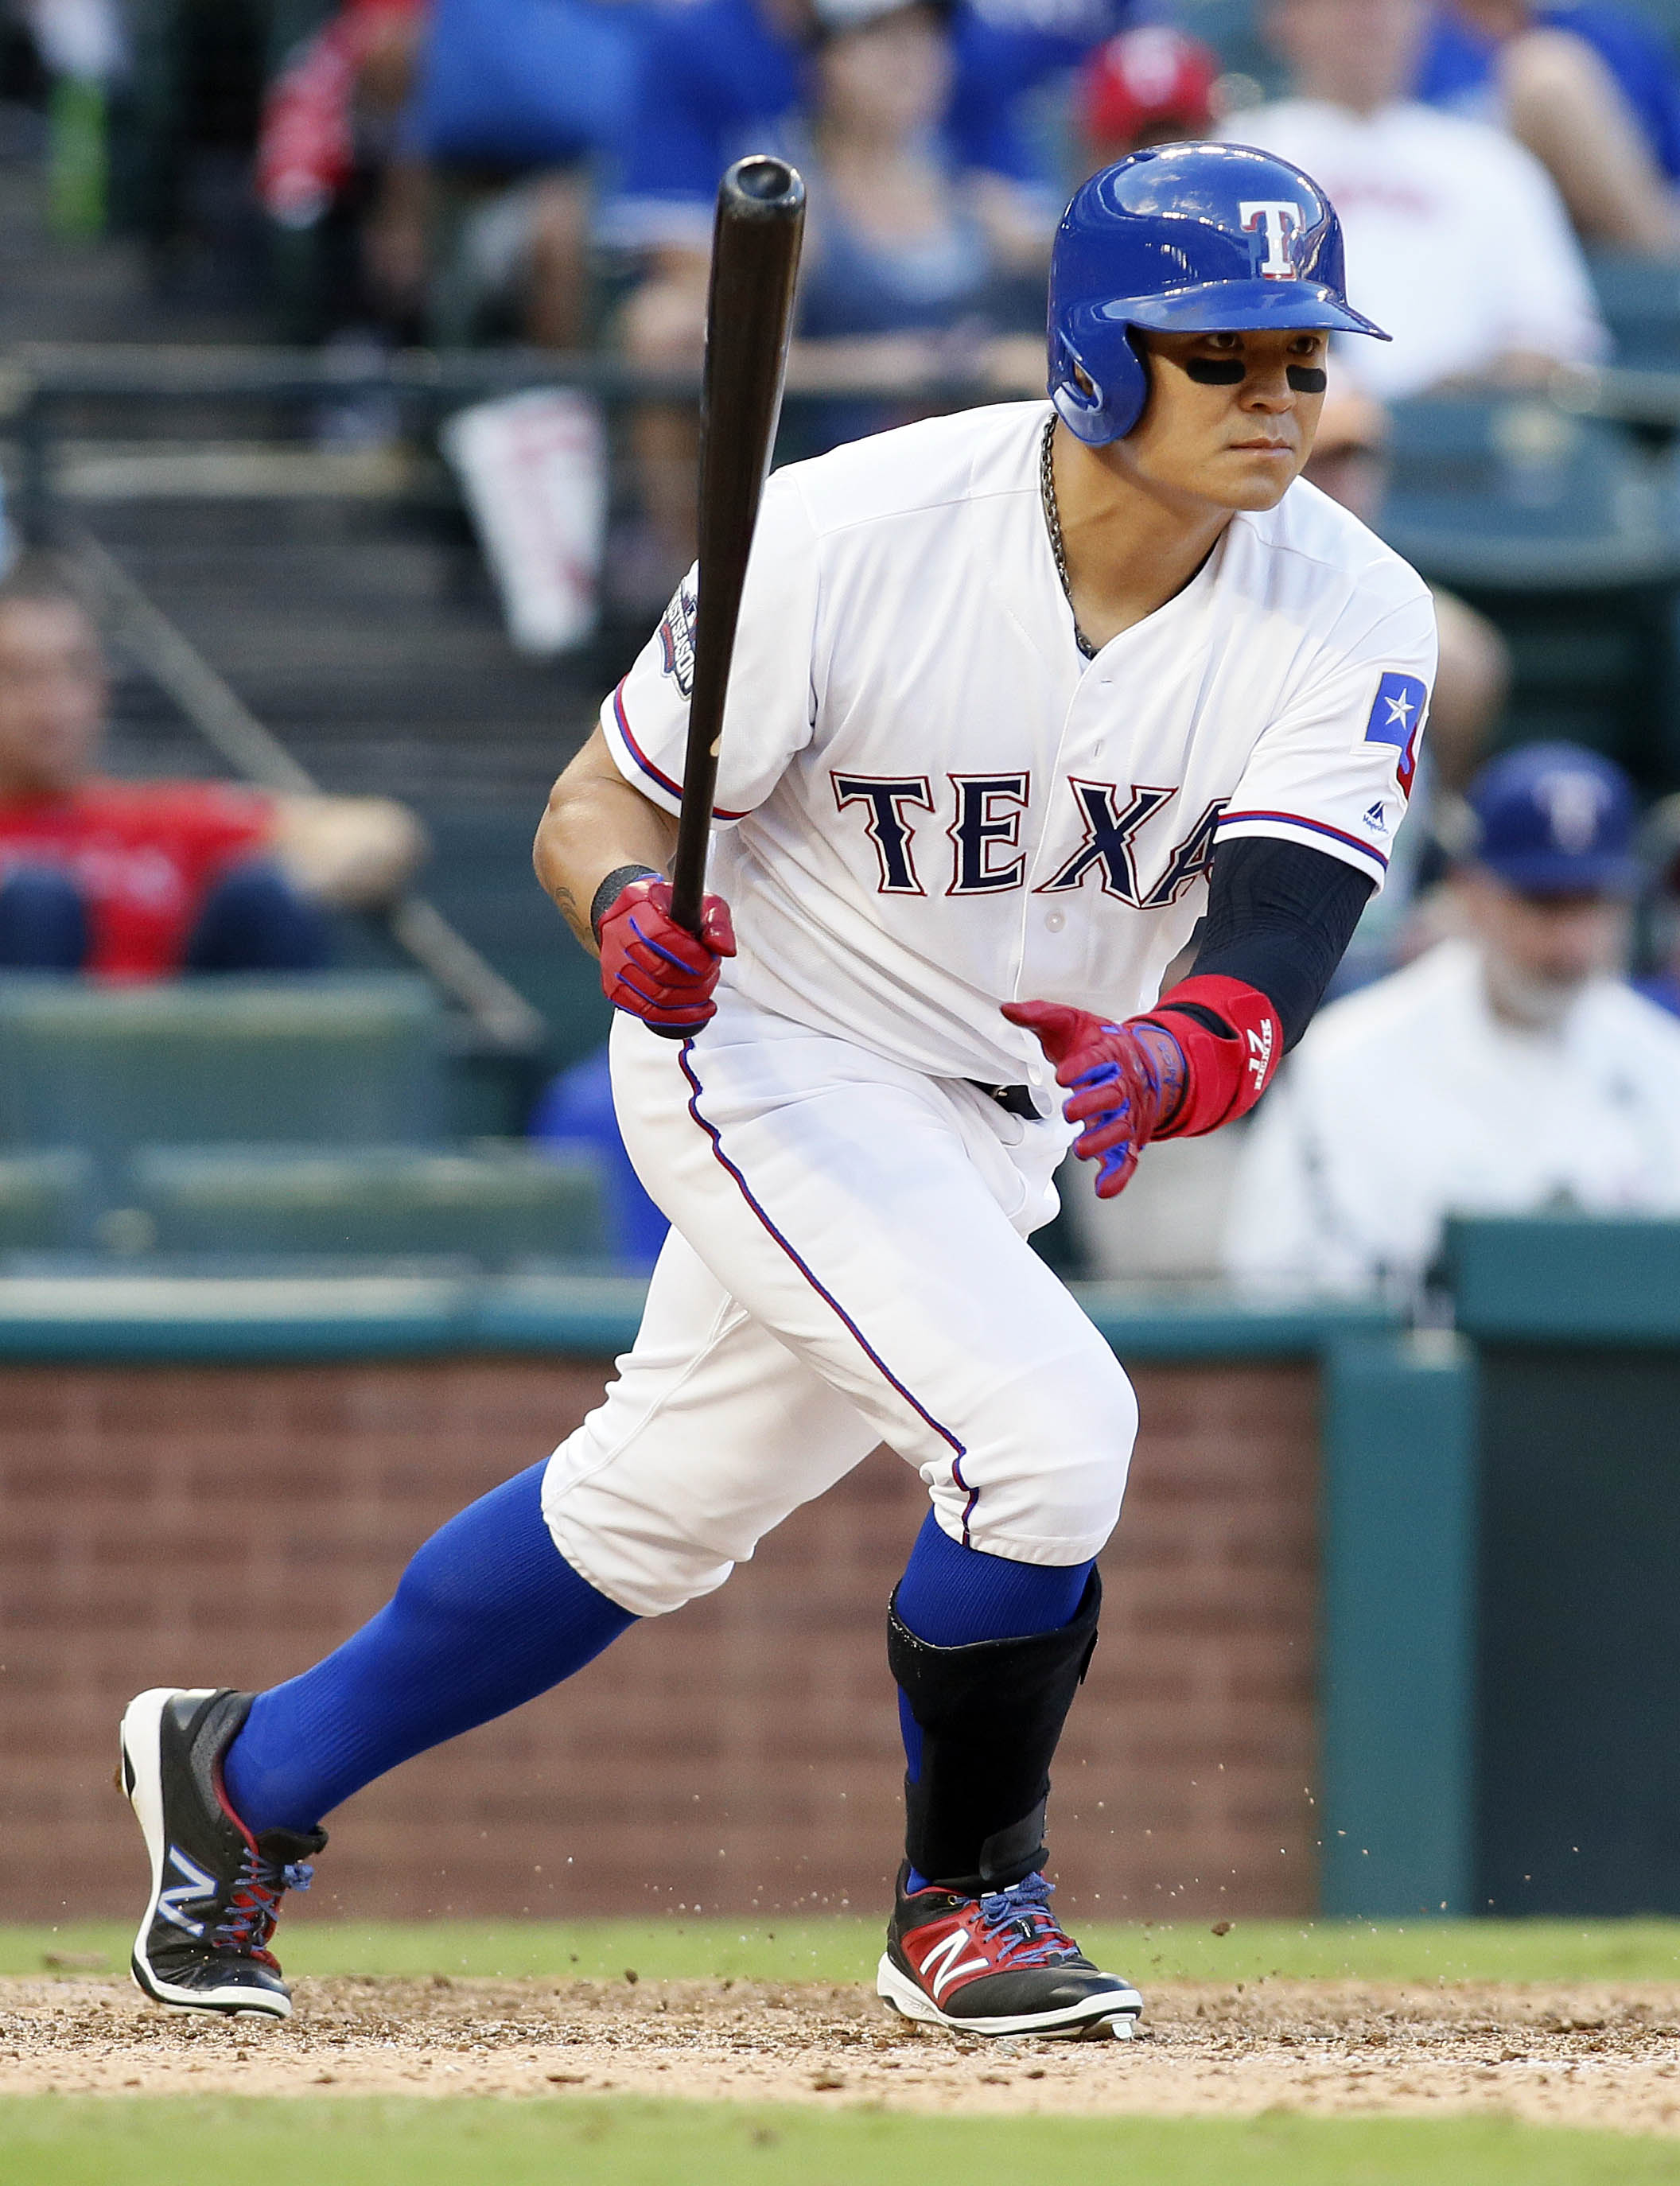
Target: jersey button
(1054,920)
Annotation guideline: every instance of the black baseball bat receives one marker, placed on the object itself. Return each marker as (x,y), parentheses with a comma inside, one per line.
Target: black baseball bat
(749,311)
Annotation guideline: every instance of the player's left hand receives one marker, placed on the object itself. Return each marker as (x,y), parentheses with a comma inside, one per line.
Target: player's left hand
(655,969)
(1127,1080)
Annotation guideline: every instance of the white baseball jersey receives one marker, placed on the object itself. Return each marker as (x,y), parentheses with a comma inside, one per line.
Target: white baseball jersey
(930,802)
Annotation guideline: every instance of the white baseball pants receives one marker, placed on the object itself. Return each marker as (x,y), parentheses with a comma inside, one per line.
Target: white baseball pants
(847,1265)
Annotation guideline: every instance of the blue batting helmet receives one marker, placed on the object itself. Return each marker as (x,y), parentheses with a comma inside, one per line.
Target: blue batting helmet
(1205,239)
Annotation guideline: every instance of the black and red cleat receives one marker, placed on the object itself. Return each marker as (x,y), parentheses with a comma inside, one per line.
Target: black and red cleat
(216,1889)
(998,1965)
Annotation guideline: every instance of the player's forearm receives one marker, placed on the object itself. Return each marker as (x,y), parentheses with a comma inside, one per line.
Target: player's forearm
(595,824)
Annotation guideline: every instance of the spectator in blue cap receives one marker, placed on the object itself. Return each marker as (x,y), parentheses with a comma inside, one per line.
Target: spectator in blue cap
(1510,1069)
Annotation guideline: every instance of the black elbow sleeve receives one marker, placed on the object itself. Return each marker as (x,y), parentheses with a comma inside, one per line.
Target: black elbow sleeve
(1280,917)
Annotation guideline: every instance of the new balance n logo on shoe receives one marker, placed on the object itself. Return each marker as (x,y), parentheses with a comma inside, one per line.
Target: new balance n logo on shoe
(946,1953)
(196,1885)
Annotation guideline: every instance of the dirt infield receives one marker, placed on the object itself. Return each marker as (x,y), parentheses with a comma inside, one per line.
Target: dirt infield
(1590,2056)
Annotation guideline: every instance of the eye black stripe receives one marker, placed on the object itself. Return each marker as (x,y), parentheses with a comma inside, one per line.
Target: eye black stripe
(1217,371)
(1307,378)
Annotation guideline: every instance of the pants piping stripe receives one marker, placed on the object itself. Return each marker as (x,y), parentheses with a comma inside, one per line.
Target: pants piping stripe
(826,1294)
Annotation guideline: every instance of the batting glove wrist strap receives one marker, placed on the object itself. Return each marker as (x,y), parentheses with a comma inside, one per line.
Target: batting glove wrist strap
(612,888)
(1232,1042)
(656,970)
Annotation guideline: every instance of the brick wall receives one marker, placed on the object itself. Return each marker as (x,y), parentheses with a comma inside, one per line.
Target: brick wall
(208,1525)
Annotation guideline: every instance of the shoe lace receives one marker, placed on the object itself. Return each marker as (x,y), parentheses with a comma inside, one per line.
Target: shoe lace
(1039,1937)
(254,1907)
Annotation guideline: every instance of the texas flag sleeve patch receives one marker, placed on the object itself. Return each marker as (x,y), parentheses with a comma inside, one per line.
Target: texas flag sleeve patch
(1396,718)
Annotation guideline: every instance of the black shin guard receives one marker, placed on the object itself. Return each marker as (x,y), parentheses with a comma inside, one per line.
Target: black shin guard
(991,1716)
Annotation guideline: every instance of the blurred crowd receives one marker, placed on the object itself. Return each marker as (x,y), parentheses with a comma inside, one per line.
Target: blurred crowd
(546,168)
(543,172)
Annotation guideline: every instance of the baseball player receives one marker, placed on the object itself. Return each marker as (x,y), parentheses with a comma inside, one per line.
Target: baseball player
(1019,695)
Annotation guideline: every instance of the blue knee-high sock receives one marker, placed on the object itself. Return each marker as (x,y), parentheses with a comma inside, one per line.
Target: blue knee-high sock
(487,1615)
(952,1596)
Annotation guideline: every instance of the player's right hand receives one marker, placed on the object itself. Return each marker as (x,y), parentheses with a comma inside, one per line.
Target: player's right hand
(656,969)
(1126,1081)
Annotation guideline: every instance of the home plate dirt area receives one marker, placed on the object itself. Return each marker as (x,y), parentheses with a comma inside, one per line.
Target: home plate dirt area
(1592,2055)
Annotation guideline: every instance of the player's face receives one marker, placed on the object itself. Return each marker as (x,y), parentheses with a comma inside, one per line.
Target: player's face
(53,695)
(1230,416)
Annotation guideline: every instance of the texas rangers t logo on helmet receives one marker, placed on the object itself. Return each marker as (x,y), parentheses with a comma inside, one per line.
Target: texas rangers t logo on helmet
(1278,222)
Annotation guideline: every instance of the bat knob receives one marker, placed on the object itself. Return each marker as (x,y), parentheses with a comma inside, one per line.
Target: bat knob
(761,186)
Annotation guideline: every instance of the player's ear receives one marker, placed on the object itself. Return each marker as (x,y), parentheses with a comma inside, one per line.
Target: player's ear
(1149,365)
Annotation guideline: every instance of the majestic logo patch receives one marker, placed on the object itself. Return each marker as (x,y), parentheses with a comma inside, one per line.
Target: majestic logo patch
(1376,817)
(676,638)
(1278,224)
(1396,718)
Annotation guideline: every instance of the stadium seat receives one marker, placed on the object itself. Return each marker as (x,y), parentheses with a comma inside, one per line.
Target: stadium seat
(1568,535)
(481,880)
(326,1059)
(1640,299)
(46,1200)
(575,1117)
(1513,489)
(494,1204)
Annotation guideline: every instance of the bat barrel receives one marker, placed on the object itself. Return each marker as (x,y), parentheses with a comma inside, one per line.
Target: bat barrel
(755,257)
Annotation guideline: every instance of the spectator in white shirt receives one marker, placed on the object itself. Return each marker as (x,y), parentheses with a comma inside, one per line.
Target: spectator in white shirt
(1504,1072)
(1456,235)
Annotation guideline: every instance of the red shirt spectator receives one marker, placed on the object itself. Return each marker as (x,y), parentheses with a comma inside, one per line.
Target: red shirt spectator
(144,856)
(140,880)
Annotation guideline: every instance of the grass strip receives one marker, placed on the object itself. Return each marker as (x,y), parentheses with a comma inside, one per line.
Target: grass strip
(608,2141)
(769,1949)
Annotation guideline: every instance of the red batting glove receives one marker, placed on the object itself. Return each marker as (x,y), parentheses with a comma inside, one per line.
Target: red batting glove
(656,969)
(1128,1079)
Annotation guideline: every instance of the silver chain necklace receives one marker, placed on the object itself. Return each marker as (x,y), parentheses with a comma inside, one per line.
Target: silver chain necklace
(1053,525)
